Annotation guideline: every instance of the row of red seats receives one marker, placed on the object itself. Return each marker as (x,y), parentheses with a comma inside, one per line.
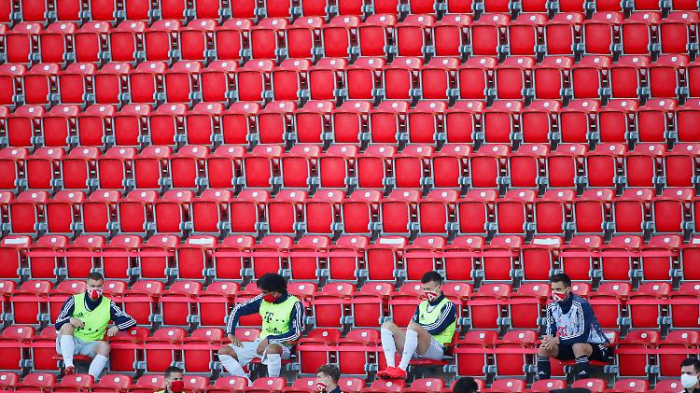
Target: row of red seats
(113,383)
(355,122)
(494,306)
(40,10)
(348,36)
(342,166)
(148,383)
(466,258)
(480,353)
(479,78)
(217,211)
(198,384)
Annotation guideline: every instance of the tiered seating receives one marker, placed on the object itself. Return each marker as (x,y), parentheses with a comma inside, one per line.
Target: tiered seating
(184,149)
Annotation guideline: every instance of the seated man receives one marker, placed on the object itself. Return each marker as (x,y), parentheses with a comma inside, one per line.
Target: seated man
(282,325)
(465,385)
(82,324)
(572,331)
(327,379)
(432,327)
(690,372)
(174,380)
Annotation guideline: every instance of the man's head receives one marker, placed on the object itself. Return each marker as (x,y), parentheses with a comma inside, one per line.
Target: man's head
(272,286)
(174,379)
(431,281)
(327,377)
(690,371)
(95,285)
(466,385)
(561,287)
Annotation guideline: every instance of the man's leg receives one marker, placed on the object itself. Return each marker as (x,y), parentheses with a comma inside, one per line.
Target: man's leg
(274,359)
(544,368)
(67,346)
(393,340)
(582,352)
(417,341)
(229,359)
(99,362)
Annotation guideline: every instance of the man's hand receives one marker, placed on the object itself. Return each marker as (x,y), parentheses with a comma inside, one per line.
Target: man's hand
(547,342)
(261,347)
(234,340)
(77,323)
(112,331)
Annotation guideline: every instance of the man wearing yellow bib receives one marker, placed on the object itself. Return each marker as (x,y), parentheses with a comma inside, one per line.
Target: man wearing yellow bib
(431,329)
(282,325)
(82,324)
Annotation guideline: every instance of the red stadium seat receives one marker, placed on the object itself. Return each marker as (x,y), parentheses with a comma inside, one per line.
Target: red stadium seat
(461,268)
(330,303)
(14,345)
(470,358)
(161,38)
(637,38)
(489,34)
(139,301)
(545,385)
(484,306)
(486,166)
(213,304)
(77,266)
(631,363)
(539,121)
(232,38)
(147,383)
(323,212)
(345,257)
(126,349)
(594,385)
(326,78)
(607,303)
(37,381)
(119,266)
(631,385)
(349,123)
(387,122)
(507,385)
(674,31)
(75,382)
(501,120)
(667,385)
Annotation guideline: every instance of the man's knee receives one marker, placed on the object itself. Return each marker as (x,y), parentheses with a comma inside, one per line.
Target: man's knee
(102,348)
(582,349)
(274,349)
(415,327)
(227,351)
(389,325)
(67,329)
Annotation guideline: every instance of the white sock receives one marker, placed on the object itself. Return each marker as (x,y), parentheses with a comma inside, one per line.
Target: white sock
(232,366)
(389,346)
(409,348)
(98,364)
(67,349)
(274,365)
